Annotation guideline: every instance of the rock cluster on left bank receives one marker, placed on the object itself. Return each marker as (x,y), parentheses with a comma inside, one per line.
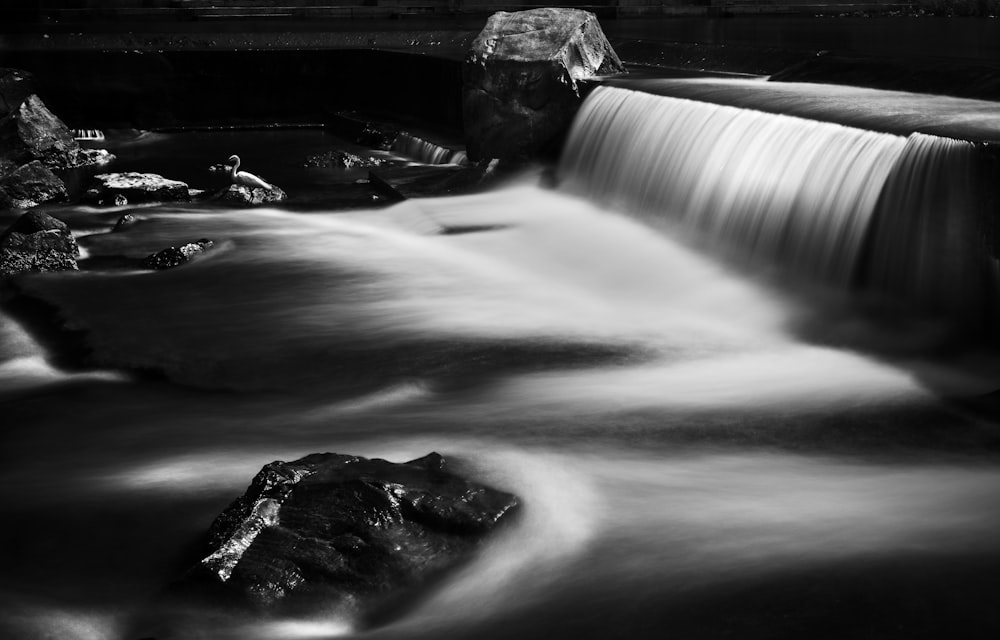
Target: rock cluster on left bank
(37,242)
(34,145)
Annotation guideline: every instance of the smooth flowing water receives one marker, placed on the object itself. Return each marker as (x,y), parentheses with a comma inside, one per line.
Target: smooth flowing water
(701,450)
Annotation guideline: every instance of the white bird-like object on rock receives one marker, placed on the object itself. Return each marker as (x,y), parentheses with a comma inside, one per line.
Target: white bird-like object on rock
(244,178)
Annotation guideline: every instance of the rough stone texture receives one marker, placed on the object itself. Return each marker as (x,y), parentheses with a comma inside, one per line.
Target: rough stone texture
(32,132)
(243,195)
(30,185)
(37,242)
(92,158)
(348,531)
(175,256)
(520,79)
(124,222)
(135,187)
(342,160)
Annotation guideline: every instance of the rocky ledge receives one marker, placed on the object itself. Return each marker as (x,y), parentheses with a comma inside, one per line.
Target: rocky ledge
(131,187)
(33,144)
(346,531)
(37,242)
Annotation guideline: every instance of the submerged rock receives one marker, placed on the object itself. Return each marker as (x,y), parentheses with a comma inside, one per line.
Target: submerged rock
(124,222)
(244,195)
(30,185)
(347,531)
(112,188)
(37,242)
(175,256)
(520,79)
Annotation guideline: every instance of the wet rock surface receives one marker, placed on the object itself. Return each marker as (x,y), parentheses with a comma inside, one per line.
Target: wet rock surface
(176,256)
(30,185)
(346,531)
(32,132)
(133,187)
(124,222)
(37,242)
(520,79)
(342,160)
(243,195)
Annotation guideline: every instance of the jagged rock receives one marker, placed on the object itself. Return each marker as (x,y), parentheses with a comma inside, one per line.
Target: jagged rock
(175,256)
(92,158)
(37,242)
(32,132)
(342,160)
(244,195)
(347,531)
(135,187)
(30,185)
(520,79)
(124,222)
(29,131)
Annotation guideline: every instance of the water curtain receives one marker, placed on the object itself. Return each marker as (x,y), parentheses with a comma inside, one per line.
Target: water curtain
(847,206)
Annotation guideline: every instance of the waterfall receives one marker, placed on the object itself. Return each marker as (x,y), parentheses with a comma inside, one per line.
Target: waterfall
(426,152)
(928,240)
(843,205)
(88,134)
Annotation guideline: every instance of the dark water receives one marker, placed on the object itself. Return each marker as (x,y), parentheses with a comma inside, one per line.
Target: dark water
(690,463)
(968,38)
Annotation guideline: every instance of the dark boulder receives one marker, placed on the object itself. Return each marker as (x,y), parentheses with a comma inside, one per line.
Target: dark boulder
(175,256)
(37,242)
(32,132)
(521,78)
(30,185)
(29,131)
(245,196)
(112,188)
(347,531)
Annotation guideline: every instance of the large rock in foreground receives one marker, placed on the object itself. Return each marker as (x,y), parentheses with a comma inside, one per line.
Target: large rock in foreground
(133,187)
(30,185)
(347,531)
(520,79)
(37,242)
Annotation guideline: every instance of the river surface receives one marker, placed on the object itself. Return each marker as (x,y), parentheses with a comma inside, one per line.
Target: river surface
(701,451)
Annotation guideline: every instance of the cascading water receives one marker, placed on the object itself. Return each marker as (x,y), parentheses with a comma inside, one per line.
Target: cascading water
(928,241)
(688,465)
(837,203)
(425,151)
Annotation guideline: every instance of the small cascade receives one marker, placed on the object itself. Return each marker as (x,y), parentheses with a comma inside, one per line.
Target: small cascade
(780,188)
(88,134)
(425,152)
(897,215)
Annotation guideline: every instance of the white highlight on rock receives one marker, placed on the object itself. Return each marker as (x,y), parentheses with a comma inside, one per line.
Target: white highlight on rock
(225,559)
